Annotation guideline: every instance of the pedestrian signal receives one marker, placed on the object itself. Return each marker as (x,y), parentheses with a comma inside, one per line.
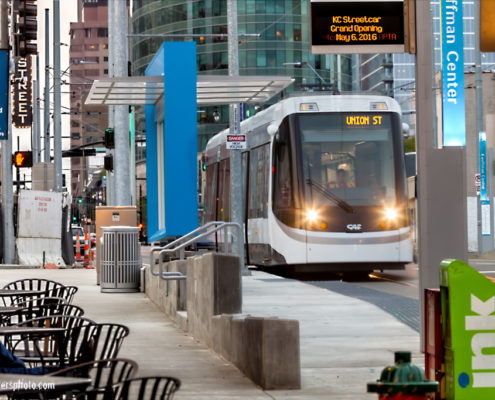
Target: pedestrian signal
(109,138)
(23,159)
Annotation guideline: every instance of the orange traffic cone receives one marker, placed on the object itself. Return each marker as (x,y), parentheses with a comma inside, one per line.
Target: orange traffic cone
(78,248)
(86,249)
(92,260)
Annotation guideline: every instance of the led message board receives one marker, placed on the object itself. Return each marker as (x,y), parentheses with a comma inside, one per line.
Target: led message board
(359,26)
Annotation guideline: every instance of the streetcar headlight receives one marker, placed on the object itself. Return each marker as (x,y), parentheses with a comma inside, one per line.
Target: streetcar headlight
(391,214)
(311,215)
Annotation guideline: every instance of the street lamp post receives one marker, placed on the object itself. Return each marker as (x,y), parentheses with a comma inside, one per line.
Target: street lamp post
(57,122)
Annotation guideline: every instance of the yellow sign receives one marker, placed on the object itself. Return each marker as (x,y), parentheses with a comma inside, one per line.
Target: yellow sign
(363,120)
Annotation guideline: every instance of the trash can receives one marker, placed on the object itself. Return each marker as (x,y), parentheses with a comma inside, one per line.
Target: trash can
(120,259)
(111,216)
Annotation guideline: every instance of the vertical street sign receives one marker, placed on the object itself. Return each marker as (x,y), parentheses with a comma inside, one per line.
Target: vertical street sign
(452,44)
(22,112)
(485,199)
(483,193)
(4,94)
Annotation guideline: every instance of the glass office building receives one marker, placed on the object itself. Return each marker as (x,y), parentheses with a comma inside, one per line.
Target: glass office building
(283,29)
(394,74)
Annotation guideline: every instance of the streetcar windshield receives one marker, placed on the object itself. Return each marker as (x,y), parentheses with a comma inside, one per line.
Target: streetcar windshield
(348,155)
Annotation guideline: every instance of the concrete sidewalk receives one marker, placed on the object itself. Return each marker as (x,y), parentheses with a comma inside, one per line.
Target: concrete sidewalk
(345,342)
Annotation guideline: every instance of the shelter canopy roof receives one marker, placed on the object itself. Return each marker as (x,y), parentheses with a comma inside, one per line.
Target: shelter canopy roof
(211,89)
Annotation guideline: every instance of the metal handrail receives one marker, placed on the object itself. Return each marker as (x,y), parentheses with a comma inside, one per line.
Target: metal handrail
(180,245)
(177,241)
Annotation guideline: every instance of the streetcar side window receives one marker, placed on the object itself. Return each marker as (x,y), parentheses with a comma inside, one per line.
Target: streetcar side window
(223,204)
(282,179)
(244,162)
(258,182)
(211,192)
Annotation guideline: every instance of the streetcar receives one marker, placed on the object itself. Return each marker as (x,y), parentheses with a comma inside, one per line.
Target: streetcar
(324,184)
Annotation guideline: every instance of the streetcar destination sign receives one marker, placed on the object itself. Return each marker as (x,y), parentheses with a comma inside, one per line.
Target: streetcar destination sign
(366,120)
(357,26)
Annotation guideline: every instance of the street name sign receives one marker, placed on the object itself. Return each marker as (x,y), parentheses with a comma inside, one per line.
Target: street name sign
(452,61)
(22,112)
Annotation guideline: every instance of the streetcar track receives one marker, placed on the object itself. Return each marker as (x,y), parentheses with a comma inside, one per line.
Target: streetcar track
(383,278)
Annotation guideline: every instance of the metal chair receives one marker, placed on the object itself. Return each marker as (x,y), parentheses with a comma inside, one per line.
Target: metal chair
(40,301)
(144,388)
(103,373)
(107,339)
(33,284)
(73,346)
(45,285)
(33,310)
(66,292)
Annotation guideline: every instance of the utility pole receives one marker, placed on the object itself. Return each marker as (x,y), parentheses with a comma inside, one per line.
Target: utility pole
(36,113)
(46,128)
(121,115)
(111,38)
(6,130)
(57,123)
(485,242)
(236,209)
(442,229)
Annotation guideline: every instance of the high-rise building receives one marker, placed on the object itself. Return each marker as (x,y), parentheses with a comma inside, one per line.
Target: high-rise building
(394,74)
(282,47)
(88,61)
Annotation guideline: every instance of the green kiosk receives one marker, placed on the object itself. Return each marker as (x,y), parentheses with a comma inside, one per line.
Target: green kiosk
(468,329)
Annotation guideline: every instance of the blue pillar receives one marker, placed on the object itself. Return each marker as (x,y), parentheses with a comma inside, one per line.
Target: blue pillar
(171,153)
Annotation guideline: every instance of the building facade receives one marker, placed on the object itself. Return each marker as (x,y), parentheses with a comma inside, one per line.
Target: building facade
(88,61)
(282,47)
(394,74)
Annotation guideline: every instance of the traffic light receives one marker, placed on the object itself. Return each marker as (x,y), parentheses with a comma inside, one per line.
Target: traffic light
(109,138)
(79,200)
(28,26)
(108,162)
(487,27)
(22,159)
